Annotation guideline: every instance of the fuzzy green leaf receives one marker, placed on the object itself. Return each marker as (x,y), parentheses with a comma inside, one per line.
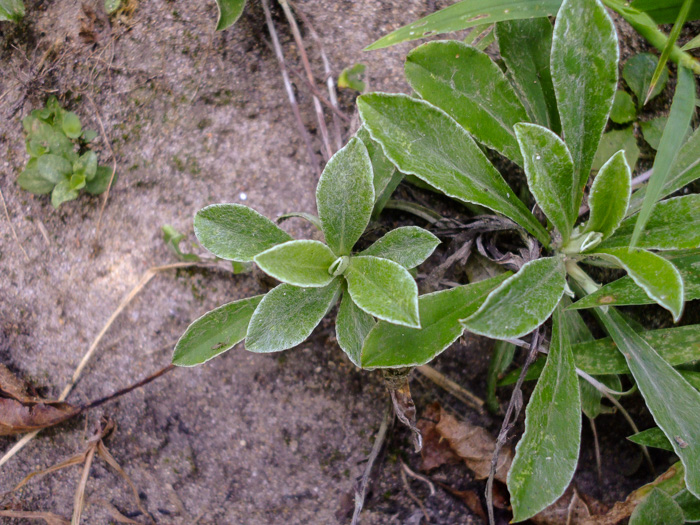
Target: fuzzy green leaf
(63,192)
(86,164)
(466,14)
(652,437)
(301,263)
(384,289)
(472,89)
(657,508)
(351,328)
(11,10)
(682,110)
(71,125)
(412,133)
(235,232)
(385,175)
(550,175)
(525,47)
(584,73)
(54,168)
(229,12)
(652,131)
(391,346)
(547,454)
(409,246)
(638,71)
(521,303)
(610,196)
(31,180)
(215,332)
(345,196)
(353,77)
(614,141)
(623,109)
(674,404)
(99,183)
(658,277)
(287,315)
(674,225)
(690,506)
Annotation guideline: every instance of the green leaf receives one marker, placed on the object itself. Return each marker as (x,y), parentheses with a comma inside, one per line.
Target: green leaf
(353,77)
(665,11)
(525,47)
(674,225)
(301,263)
(89,135)
(692,44)
(472,89)
(77,181)
(11,10)
(614,141)
(71,125)
(54,168)
(409,246)
(674,404)
(638,71)
(112,6)
(685,170)
(584,73)
(100,181)
(86,165)
(31,180)
(235,232)
(522,302)
(345,196)
(385,175)
(392,346)
(657,508)
(623,109)
(466,14)
(501,359)
(63,192)
(287,315)
(229,12)
(652,131)
(652,437)
(610,196)
(625,292)
(658,277)
(384,289)
(682,109)
(172,238)
(412,133)
(690,506)
(550,173)
(351,328)
(215,332)
(306,216)
(547,454)
(591,397)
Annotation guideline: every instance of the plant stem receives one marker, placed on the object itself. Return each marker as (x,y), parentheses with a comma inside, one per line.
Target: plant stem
(581,277)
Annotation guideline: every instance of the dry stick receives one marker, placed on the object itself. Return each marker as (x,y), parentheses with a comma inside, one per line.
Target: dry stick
(12,228)
(596,444)
(453,388)
(150,273)
(414,497)
(330,82)
(288,87)
(335,111)
(512,413)
(128,389)
(307,67)
(361,492)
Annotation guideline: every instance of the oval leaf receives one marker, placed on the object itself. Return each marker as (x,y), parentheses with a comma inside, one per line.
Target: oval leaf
(413,134)
(547,454)
(229,12)
(235,232)
(287,315)
(351,328)
(638,71)
(658,507)
(522,303)
(301,263)
(215,332)
(384,289)
(409,246)
(584,73)
(345,196)
(392,346)
(472,89)
(550,175)
(610,195)
(385,175)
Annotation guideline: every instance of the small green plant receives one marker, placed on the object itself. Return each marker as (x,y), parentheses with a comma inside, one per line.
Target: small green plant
(11,10)
(60,162)
(374,283)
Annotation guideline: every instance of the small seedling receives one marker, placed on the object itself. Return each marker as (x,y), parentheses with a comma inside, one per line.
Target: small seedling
(60,162)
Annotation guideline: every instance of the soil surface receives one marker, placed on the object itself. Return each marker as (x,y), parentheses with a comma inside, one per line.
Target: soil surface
(196,117)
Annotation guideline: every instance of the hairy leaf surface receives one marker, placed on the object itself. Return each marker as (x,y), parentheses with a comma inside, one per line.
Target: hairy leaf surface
(610,196)
(301,263)
(408,245)
(351,328)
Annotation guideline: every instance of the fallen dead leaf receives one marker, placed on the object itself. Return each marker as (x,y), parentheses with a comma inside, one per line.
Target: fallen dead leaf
(436,450)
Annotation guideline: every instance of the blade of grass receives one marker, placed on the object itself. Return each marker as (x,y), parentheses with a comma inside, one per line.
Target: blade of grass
(670,43)
(682,109)
(693,44)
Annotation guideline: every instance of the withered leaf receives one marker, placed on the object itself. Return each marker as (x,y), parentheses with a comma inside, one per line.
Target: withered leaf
(436,450)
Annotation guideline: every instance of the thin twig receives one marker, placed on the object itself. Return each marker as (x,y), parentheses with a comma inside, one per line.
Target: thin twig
(464,395)
(361,491)
(314,90)
(596,445)
(12,228)
(128,389)
(417,476)
(320,117)
(80,491)
(512,413)
(288,87)
(641,179)
(330,82)
(414,497)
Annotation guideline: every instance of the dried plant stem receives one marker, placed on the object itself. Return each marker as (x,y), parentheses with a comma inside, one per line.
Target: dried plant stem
(288,87)
(334,109)
(320,117)
(464,395)
(12,228)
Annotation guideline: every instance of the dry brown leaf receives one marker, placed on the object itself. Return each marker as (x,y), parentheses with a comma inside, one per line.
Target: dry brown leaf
(469,497)
(436,450)
(571,508)
(48,517)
